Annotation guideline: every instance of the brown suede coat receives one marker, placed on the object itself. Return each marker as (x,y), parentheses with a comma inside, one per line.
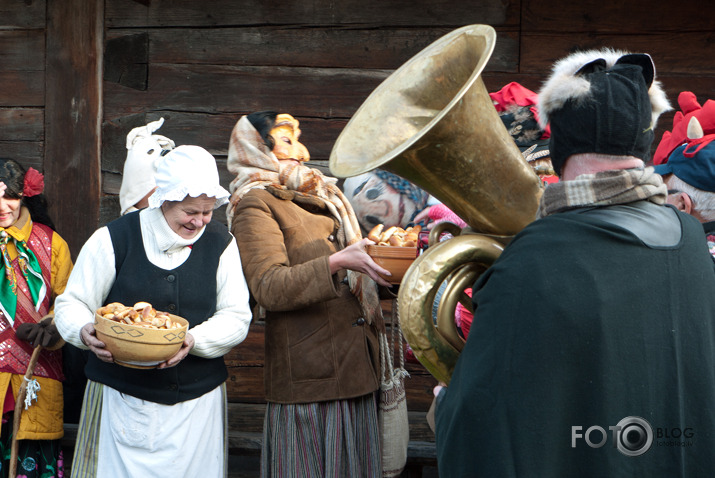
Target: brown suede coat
(318,346)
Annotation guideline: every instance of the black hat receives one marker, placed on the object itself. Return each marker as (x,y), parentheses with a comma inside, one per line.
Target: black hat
(602,102)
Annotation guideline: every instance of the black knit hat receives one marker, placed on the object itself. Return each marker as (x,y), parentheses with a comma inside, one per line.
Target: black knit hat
(602,108)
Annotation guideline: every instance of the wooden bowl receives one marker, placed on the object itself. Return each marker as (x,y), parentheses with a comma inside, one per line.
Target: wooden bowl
(393,258)
(138,347)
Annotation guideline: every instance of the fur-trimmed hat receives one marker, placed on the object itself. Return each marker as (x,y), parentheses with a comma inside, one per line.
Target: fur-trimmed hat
(601,101)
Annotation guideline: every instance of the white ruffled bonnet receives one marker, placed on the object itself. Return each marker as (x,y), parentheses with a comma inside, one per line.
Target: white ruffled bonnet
(187,171)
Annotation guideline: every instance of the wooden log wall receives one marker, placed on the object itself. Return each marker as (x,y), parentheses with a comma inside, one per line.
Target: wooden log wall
(201,65)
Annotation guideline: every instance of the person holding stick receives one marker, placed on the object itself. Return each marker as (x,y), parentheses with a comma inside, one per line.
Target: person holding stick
(35,265)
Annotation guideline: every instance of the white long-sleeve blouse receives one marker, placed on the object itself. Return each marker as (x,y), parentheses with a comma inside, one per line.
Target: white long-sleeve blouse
(94,274)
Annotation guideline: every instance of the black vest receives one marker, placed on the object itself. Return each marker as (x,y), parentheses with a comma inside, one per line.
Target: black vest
(188,291)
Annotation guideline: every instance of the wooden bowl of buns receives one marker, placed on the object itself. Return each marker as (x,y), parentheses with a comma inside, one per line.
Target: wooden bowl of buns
(139,336)
(395,249)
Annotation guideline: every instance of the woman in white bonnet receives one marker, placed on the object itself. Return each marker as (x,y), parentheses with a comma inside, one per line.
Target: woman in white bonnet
(169,420)
(144,149)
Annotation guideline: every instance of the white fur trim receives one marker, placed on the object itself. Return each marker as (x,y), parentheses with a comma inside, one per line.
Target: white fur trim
(563,86)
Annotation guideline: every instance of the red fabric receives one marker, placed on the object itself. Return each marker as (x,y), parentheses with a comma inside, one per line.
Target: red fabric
(463,317)
(15,353)
(515,94)
(550,179)
(34,183)
(678,135)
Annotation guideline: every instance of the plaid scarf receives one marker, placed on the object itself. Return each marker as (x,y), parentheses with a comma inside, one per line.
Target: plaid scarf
(29,266)
(255,166)
(603,189)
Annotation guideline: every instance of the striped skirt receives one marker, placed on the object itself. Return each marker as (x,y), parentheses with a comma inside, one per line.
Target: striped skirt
(325,439)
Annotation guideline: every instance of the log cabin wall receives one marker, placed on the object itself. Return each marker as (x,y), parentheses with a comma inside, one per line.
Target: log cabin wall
(77,75)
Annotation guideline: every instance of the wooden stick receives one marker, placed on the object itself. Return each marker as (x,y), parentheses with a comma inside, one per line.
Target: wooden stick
(19,406)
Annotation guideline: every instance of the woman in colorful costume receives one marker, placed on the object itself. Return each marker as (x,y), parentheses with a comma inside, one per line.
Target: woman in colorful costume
(36,263)
(305,263)
(171,420)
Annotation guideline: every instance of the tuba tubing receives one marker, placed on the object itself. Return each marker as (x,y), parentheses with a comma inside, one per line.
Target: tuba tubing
(433,123)
(419,288)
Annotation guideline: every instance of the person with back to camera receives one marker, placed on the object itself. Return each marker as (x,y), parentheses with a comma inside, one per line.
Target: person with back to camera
(35,266)
(594,331)
(171,420)
(302,255)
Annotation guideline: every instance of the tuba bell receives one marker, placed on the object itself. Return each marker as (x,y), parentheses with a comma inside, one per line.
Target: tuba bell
(433,123)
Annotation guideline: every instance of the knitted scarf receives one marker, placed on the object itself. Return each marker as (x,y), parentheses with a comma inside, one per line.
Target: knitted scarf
(255,166)
(603,189)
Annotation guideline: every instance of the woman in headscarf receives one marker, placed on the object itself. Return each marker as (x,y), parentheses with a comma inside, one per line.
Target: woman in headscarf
(306,265)
(35,266)
(169,421)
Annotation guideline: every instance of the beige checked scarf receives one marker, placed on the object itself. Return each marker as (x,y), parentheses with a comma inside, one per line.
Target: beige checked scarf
(255,166)
(603,189)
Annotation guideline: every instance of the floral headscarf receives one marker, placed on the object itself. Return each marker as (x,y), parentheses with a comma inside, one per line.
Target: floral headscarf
(255,166)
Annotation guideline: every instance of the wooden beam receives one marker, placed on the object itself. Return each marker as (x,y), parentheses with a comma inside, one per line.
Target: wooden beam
(73,116)
(450,13)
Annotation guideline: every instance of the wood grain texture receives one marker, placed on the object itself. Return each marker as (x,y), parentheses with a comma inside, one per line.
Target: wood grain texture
(216,89)
(22,50)
(211,131)
(674,53)
(122,13)
(27,153)
(22,88)
(22,15)
(21,124)
(73,117)
(315,47)
(636,17)
(126,60)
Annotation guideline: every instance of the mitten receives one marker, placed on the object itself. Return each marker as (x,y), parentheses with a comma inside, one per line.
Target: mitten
(43,333)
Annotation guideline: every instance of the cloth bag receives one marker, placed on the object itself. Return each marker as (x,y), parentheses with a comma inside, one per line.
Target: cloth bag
(392,413)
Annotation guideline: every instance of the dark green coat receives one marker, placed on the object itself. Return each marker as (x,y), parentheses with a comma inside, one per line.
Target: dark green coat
(579,324)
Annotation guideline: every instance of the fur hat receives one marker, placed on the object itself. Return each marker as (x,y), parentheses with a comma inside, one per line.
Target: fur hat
(601,101)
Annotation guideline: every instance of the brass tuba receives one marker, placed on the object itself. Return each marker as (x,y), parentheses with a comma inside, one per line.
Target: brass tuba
(433,123)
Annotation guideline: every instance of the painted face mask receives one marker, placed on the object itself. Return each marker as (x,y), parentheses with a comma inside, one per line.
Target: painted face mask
(286,135)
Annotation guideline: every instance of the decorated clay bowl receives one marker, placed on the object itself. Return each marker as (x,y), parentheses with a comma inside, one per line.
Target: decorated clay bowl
(139,347)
